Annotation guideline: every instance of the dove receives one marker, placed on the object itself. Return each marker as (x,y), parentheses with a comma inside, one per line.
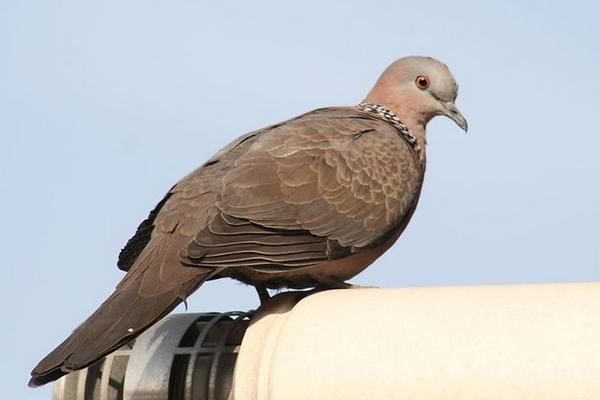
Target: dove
(305,203)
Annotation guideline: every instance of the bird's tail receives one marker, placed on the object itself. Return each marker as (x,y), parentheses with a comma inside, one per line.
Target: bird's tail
(123,316)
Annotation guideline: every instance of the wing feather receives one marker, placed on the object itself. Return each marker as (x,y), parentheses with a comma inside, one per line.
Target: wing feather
(309,186)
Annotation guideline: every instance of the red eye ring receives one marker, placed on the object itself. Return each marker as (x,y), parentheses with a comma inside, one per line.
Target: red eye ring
(422,82)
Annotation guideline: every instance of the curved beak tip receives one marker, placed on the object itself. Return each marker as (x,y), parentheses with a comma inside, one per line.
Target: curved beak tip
(455,115)
(463,124)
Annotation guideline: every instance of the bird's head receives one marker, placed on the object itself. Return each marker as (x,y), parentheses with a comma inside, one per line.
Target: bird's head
(417,89)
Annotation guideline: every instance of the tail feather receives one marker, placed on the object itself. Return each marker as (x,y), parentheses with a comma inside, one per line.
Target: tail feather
(121,318)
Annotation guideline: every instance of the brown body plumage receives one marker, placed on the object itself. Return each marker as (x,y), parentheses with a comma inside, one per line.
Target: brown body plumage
(309,202)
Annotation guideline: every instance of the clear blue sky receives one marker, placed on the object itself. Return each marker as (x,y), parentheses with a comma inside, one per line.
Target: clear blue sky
(104,105)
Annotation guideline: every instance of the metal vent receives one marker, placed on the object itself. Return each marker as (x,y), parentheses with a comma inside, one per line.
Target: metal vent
(183,357)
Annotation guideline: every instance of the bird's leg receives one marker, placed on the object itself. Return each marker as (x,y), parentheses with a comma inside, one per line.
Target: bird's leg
(263,293)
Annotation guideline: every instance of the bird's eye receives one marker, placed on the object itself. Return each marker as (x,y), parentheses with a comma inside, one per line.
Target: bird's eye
(422,82)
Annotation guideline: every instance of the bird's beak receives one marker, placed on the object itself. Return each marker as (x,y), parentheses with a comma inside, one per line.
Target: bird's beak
(452,112)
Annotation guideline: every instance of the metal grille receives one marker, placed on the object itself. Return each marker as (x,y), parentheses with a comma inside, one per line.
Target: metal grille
(183,357)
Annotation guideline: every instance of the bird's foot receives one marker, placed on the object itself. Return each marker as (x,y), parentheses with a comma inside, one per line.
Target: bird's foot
(341,285)
(362,287)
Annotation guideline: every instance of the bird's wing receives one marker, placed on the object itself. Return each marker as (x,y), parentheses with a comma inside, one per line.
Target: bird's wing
(187,208)
(189,190)
(315,188)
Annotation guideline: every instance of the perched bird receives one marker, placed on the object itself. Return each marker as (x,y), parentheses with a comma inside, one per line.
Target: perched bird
(309,202)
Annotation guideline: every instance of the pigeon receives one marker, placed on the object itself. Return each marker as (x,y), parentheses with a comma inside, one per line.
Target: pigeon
(305,203)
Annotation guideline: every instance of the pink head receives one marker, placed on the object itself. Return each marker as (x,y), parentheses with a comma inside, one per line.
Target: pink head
(417,89)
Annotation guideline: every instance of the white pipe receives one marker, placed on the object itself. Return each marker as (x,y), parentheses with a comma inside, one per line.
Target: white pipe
(484,342)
